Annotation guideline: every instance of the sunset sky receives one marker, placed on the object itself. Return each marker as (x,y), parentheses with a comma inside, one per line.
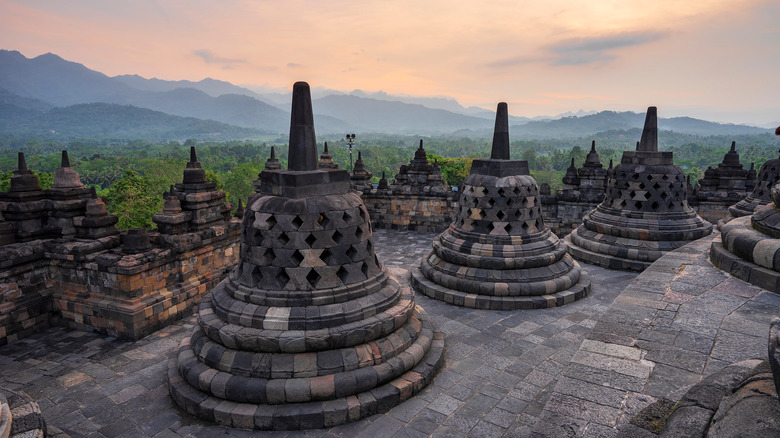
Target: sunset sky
(712,59)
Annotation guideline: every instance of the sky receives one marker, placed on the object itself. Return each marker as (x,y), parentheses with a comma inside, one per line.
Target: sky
(718,60)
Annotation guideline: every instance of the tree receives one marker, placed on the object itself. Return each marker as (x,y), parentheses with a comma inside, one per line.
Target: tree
(134,199)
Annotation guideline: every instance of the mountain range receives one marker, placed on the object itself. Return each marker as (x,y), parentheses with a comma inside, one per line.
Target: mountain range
(53,96)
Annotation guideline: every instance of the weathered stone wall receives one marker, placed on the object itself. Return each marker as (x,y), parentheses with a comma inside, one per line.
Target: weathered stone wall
(25,291)
(132,295)
(85,285)
(415,212)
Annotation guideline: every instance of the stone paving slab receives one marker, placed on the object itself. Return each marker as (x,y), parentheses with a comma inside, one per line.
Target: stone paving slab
(577,370)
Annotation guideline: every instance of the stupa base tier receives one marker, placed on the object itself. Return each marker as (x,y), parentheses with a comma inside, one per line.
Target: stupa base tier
(743,269)
(309,415)
(493,302)
(617,260)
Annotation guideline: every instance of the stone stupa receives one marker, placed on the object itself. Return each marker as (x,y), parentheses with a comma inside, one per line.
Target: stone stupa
(768,176)
(749,246)
(309,330)
(499,254)
(645,212)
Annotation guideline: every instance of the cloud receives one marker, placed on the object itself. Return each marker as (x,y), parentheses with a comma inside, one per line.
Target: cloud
(578,51)
(293,65)
(210,58)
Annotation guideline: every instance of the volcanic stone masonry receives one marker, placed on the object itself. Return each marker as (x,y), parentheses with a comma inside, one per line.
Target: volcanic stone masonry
(499,254)
(645,212)
(768,176)
(722,187)
(309,330)
(749,246)
(418,199)
(62,258)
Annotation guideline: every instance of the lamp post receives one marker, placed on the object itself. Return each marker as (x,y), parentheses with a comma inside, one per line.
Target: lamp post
(350,142)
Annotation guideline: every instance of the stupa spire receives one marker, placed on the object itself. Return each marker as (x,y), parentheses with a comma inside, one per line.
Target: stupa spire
(303,144)
(649,141)
(21,162)
(500,150)
(65,161)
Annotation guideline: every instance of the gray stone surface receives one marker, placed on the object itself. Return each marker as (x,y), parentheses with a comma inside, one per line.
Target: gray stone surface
(500,365)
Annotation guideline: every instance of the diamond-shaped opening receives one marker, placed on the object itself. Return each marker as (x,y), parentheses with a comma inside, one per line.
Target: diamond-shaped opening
(635,176)
(369,246)
(310,239)
(362,212)
(346,217)
(297,257)
(359,233)
(539,223)
(490,227)
(516,191)
(337,236)
(664,177)
(352,252)
(364,269)
(647,195)
(323,221)
(482,214)
(342,273)
(525,202)
(313,277)
(491,202)
(257,275)
(508,228)
(270,222)
(325,256)
(254,237)
(269,255)
(664,195)
(283,239)
(501,192)
(283,278)
(500,215)
(297,222)
(654,205)
(656,186)
(638,205)
(518,214)
(649,177)
(525,226)
(642,186)
(509,202)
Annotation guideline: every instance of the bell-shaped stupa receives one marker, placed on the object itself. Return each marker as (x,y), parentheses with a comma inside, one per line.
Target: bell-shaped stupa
(645,212)
(309,330)
(499,254)
(768,176)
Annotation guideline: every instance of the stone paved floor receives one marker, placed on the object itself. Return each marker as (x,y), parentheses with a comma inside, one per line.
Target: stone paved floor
(580,370)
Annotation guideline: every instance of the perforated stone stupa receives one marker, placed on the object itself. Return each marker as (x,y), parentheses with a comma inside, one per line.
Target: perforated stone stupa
(749,246)
(499,254)
(768,176)
(309,330)
(645,212)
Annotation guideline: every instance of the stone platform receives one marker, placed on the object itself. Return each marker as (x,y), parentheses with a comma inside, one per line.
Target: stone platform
(585,369)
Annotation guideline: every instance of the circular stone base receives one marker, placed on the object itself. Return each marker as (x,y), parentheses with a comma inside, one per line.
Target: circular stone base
(743,269)
(489,302)
(310,415)
(604,260)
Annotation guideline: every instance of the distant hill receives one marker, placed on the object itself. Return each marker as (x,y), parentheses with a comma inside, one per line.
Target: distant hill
(212,87)
(104,120)
(372,115)
(570,127)
(48,82)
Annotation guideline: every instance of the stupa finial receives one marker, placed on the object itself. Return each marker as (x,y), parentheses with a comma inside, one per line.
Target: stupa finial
(65,161)
(303,144)
(500,150)
(21,162)
(193,155)
(649,141)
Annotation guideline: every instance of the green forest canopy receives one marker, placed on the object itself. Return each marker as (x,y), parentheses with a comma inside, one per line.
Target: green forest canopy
(132,175)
